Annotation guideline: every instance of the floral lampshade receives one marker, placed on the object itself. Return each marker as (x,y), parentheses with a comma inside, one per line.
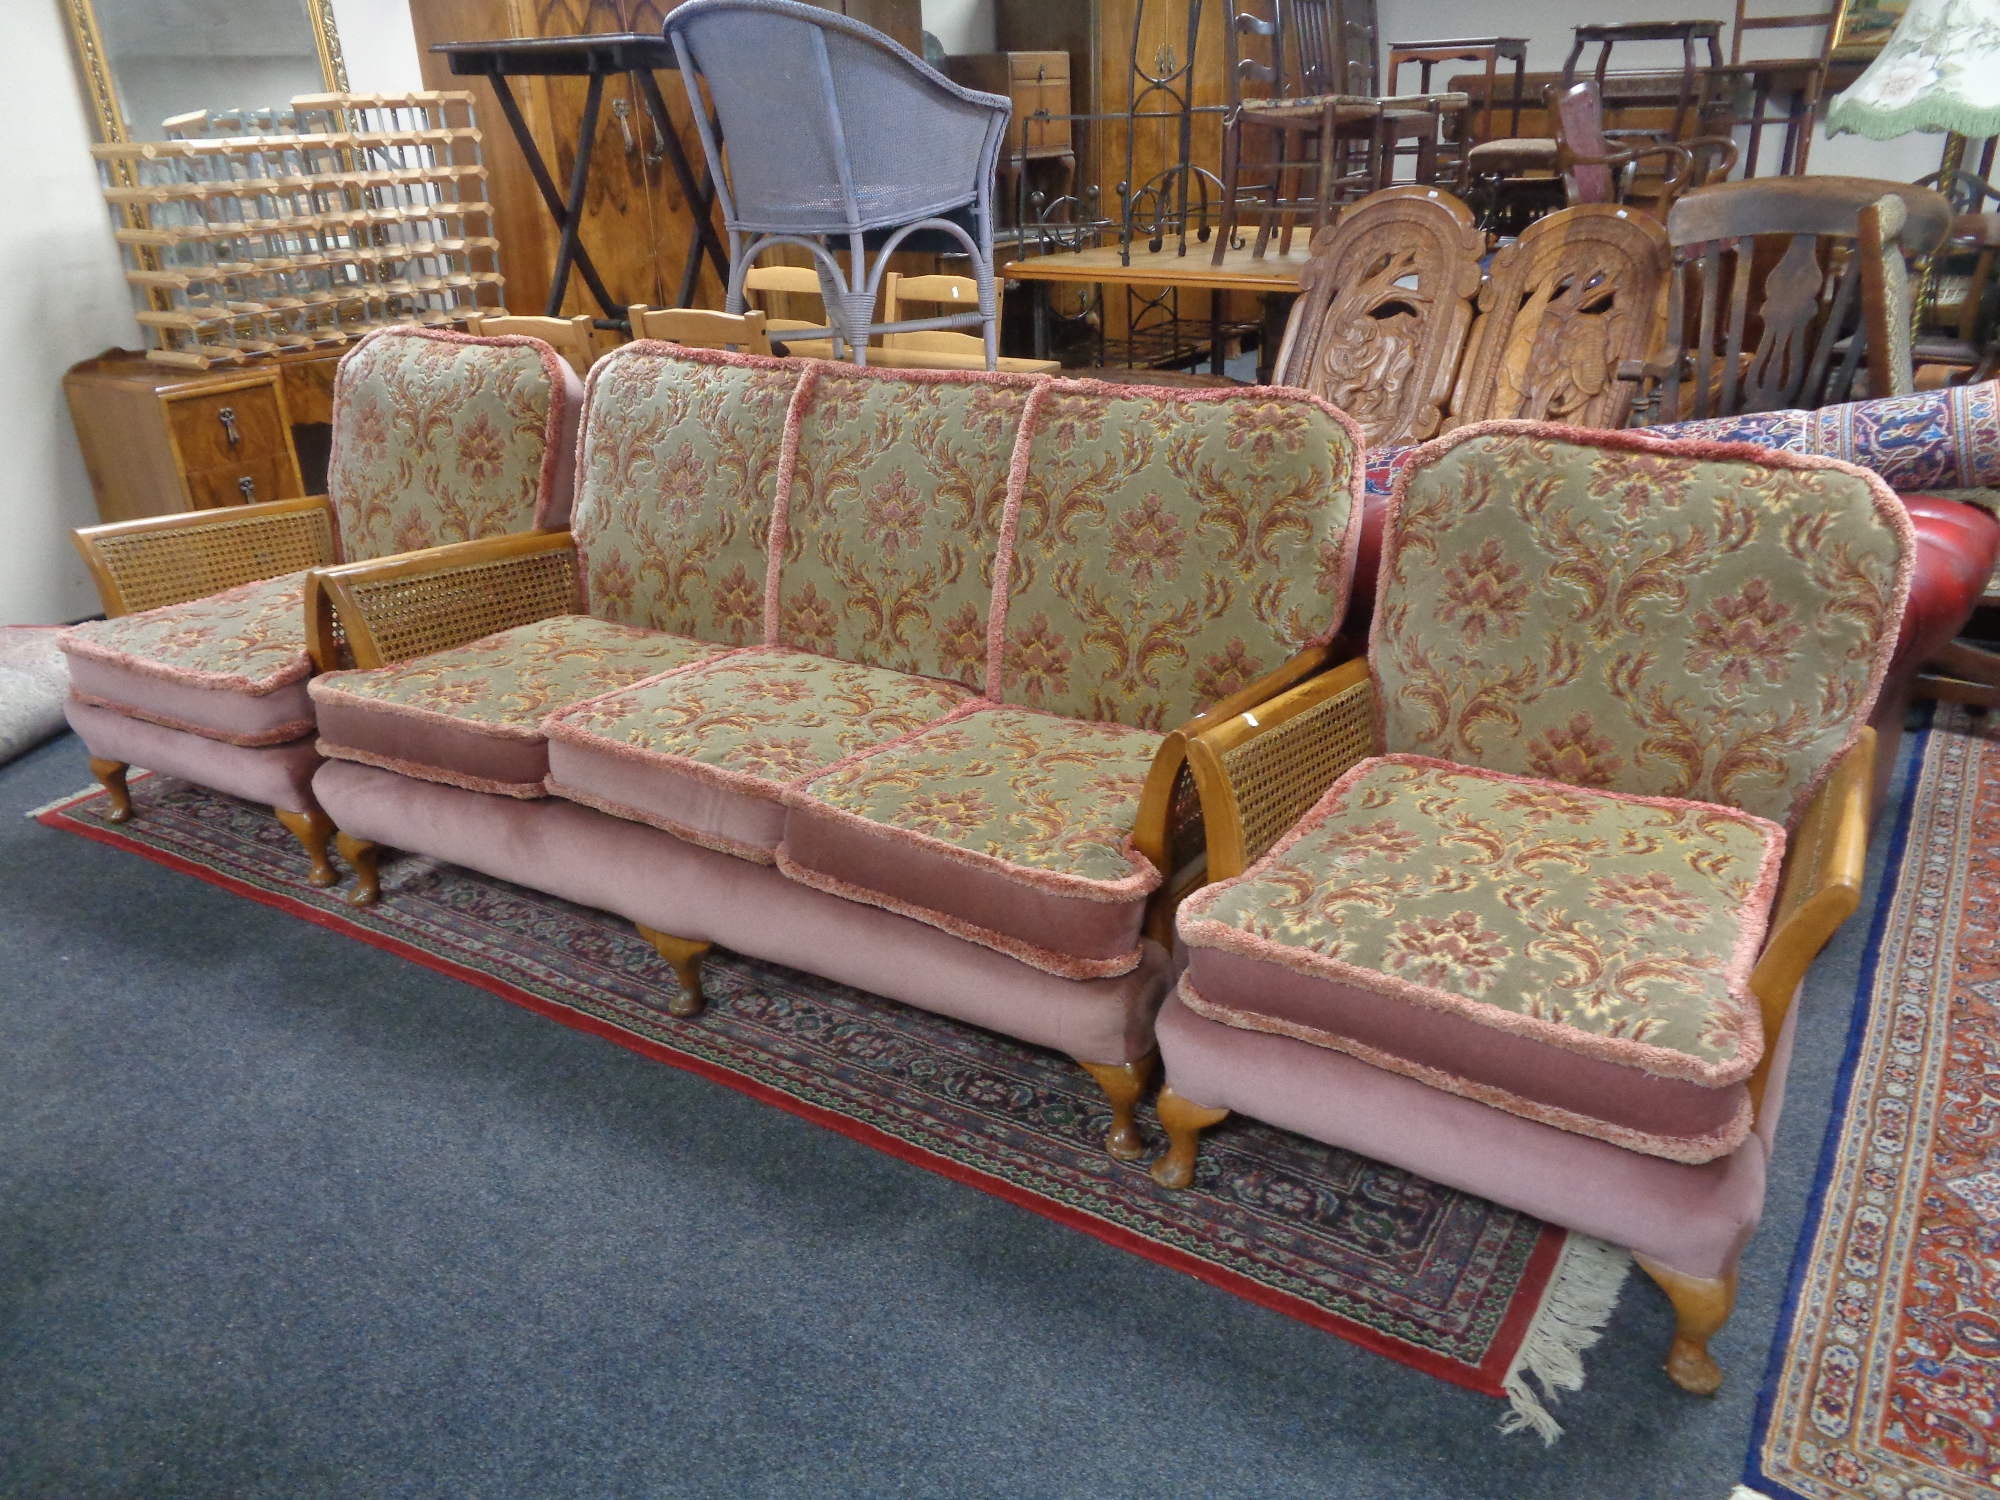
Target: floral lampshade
(1939,72)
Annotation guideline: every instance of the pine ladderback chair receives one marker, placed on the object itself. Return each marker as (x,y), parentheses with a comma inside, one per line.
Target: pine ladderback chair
(214,623)
(941,349)
(1843,268)
(870,144)
(1571,836)
(699,328)
(572,338)
(1564,310)
(1384,308)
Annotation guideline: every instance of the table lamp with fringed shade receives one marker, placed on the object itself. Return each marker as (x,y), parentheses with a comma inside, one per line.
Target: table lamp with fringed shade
(1939,72)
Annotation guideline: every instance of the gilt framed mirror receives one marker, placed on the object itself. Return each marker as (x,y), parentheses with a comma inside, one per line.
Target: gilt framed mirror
(145,61)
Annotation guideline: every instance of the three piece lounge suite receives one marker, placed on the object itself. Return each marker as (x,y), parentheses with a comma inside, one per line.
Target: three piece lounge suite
(1021,700)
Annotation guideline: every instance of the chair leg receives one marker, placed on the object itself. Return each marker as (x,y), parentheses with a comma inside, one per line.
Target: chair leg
(685,954)
(1184,1122)
(110,775)
(1962,673)
(1702,1304)
(362,856)
(312,830)
(1232,160)
(1122,1083)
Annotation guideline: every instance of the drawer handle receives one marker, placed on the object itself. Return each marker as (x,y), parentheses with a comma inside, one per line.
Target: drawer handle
(247,487)
(227,416)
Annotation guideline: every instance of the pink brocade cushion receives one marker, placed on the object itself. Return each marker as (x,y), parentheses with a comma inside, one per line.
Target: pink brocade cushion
(230,667)
(1004,826)
(1575,957)
(706,752)
(471,716)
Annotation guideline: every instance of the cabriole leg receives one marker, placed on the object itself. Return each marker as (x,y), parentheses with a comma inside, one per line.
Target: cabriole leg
(362,856)
(312,829)
(1122,1083)
(1184,1124)
(110,775)
(685,955)
(1701,1306)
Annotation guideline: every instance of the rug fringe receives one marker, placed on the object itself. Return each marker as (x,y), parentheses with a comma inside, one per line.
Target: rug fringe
(1574,1309)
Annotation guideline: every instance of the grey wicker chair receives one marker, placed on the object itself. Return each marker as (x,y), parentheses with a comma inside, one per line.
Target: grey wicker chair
(835,130)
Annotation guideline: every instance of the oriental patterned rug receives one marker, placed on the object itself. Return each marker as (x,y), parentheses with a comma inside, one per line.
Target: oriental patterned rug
(1444,1282)
(1885,1378)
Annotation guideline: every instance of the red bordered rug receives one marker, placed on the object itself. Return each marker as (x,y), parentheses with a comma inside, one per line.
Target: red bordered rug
(1885,1378)
(1444,1282)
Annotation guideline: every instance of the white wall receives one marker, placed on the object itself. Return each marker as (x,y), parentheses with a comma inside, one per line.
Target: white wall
(62,294)
(965,25)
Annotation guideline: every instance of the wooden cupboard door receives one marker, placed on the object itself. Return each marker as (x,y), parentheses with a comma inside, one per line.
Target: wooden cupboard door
(211,429)
(243,483)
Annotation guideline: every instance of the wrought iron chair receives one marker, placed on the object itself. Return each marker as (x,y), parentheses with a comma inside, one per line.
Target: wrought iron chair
(869,144)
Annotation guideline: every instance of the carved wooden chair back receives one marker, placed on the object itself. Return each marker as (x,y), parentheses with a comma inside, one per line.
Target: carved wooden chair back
(1564,308)
(1841,246)
(569,337)
(1384,308)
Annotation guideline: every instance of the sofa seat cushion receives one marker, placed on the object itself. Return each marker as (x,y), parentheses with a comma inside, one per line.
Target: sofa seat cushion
(1006,826)
(230,667)
(707,752)
(472,716)
(1581,958)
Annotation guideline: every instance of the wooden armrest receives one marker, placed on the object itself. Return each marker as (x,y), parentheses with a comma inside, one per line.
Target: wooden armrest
(171,559)
(1820,889)
(409,605)
(1258,772)
(1168,829)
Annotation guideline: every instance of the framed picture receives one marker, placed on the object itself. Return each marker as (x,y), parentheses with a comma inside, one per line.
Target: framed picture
(1864,25)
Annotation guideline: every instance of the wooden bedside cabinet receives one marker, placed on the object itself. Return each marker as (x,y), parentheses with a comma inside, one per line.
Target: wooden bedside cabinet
(157,440)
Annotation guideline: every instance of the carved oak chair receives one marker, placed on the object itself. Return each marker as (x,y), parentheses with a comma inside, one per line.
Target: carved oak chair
(1565,308)
(1573,834)
(200,668)
(1384,308)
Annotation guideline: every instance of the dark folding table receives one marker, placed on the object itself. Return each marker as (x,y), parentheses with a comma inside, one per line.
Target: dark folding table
(596,58)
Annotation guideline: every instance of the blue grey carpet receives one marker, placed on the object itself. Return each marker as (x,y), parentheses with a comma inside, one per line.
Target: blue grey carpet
(284,1215)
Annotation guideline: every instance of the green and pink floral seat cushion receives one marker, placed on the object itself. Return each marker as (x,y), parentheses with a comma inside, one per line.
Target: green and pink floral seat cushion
(437,437)
(472,716)
(707,751)
(1608,671)
(1577,957)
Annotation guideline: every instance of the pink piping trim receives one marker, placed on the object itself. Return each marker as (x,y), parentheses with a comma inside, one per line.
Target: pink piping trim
(780,530)
(1199,931)
(1636,440)
(1048,961)
(754,853)
(74,644)
(554,366)
(1003,551)
(1692,1150)
(526,791)
(284,734)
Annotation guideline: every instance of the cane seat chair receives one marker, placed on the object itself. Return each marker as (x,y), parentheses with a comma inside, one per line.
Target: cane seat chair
(1558,878)
(836,133)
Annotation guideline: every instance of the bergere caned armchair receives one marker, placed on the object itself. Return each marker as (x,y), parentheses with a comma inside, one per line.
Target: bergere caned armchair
(199,668)
(1571,836)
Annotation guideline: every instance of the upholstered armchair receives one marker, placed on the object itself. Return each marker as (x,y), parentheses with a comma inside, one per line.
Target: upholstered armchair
(199,669)
(1571,836)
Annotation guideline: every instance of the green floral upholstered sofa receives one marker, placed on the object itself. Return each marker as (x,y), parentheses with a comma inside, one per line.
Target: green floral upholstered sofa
(200,667)
(1590,808)
(881,675)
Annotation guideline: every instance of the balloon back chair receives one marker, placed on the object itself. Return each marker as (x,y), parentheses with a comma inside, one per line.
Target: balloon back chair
(1571,836)
(834,131)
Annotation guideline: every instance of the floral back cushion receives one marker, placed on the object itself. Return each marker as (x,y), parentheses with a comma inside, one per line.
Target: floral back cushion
(441,437)
(675,476)
(893,522)
(1614,611)
(1173,546)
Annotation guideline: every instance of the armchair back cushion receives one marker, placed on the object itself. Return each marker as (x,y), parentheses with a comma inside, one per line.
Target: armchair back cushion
(1171,547)
(1689,620)
(443,437)
(675,478)
(893,521)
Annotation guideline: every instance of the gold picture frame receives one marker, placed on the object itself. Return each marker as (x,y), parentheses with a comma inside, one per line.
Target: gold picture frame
(1863,26)
(106,115)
